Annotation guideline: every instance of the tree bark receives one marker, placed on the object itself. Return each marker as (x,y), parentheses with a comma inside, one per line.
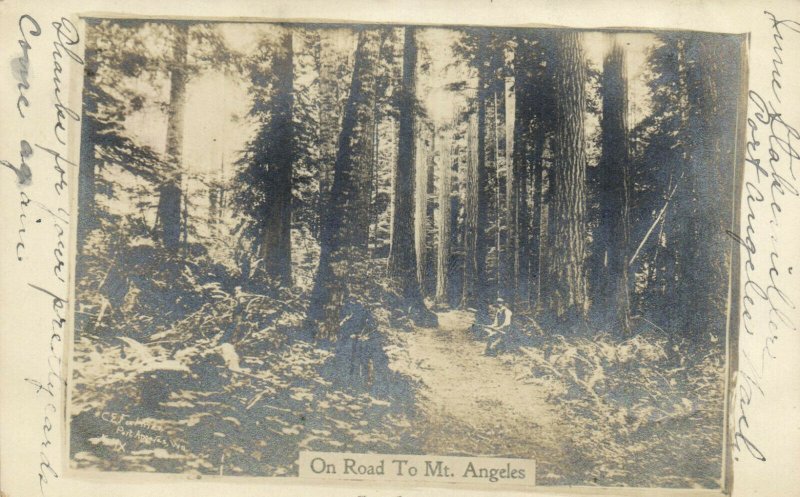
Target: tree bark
(402,254)
(566,293)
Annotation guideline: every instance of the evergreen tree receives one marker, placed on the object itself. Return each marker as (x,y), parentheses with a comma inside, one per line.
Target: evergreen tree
(343,263)
(610,289)
(564,288)
(402,256)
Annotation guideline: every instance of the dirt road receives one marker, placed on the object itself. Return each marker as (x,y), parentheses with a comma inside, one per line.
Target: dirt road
(475,404)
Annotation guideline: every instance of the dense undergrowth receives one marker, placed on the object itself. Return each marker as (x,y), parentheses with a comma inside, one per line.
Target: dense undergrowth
(642,409)
(177,369)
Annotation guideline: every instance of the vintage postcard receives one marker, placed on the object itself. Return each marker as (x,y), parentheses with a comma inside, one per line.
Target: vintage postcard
(445,255)
(405,239)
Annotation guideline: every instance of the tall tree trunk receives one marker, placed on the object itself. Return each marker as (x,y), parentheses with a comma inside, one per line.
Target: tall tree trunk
(499,245)
(402,254)
(373,211)
(535,249)
(539,103)
(520,112)
(513,174)
(483,240)
(428,279)
(420,199)
(444,221)
(276,243)
(680,232)
(566,284)
(470,226)
(610,299)
(343,266)
(331,109)
(458,208)
(711,75)
(477,239)
(170,192)
(522,228)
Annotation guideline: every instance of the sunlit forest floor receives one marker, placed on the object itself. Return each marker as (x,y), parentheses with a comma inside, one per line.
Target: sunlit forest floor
(227,387)
(461,389)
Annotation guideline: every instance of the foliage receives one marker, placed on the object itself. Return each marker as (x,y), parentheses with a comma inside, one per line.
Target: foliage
(230,389)
(633,410)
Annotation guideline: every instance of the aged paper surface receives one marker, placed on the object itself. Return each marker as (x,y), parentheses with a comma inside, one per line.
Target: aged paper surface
(121,374)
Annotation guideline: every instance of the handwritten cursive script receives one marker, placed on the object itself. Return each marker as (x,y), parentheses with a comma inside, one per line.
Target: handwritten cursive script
(66,37)
(45,162)
(771,152)
(27,26)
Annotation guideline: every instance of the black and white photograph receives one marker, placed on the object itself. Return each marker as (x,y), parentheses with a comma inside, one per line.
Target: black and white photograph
(446,240)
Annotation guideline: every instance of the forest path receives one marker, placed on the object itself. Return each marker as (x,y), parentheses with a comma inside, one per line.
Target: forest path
(473,404)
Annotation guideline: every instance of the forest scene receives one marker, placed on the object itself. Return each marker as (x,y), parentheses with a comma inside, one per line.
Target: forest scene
(397,239)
